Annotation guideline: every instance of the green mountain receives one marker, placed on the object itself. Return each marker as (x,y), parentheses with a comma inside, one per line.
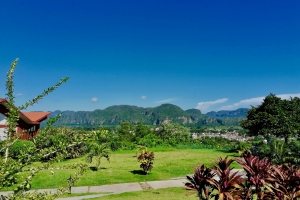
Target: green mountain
(114,115)
(241,112)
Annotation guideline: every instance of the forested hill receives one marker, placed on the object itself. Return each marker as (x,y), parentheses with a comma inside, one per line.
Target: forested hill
(114,115)
(241,112)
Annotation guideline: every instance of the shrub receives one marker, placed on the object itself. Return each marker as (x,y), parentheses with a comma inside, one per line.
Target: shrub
(146,161)
(8,172)
(21,146)
(262,181)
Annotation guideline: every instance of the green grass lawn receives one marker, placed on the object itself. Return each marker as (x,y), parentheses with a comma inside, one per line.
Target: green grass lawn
(166,193)
(124,168)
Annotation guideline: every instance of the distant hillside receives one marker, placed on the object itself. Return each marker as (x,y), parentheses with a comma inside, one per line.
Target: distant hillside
(114,115)
(241,112)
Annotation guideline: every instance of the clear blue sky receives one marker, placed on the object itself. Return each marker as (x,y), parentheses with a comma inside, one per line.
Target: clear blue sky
(209,55)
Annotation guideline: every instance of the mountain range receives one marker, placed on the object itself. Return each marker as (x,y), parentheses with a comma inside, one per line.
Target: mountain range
(114,115)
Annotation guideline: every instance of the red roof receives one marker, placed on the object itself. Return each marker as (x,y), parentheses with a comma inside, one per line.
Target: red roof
(29,117)
(36,116)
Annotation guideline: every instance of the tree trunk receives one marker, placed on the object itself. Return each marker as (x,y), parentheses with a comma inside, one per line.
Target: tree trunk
(6,154)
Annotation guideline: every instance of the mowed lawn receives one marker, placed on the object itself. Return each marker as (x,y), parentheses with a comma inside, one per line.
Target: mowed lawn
(124,168)
(166,193)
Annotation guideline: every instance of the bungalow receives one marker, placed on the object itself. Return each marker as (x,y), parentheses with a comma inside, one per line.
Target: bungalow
(28,123)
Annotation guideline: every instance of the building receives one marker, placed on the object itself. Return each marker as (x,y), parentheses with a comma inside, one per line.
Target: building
(28,123)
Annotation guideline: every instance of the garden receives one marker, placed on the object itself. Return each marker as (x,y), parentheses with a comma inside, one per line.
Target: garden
(62,157)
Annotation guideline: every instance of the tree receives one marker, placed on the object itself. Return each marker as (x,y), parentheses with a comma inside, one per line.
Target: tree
(173,133)
(275,116)
(97,151)
(13,110)
(141,131)
(97,147)
(126,132)
(10,167)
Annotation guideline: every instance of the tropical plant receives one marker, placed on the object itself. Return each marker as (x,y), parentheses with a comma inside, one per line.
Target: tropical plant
(257,172)
(262,181)
(220,178)
(200,182)
(286,184)
(96,152)
(229,183)
(146,161)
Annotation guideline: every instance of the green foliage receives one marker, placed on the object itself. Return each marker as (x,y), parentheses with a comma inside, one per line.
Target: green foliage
(60,143)
(126,132)
(241,147)
(277,117)
(278,152)
(8,172)
(146,161)
(97,151)
(115,115)
(14,148)
(173,133)
(20,147)
(96,148)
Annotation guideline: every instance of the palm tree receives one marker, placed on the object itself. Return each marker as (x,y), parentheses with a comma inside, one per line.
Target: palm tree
(96,152)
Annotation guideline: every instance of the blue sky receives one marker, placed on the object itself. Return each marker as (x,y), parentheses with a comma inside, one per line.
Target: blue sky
(210,55)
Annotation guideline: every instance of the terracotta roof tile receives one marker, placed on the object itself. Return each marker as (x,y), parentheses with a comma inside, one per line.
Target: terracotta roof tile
(36,116)
(2,100)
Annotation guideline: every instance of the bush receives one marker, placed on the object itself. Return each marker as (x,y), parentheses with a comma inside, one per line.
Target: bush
(20,147)
(8,172)
(146,161)
(262,180)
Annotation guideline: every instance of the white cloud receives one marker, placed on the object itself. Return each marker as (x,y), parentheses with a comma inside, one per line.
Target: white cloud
(94,99)
(166,100)
(287,96)
(19,94)
(246,103)
(143,97)
(204,106)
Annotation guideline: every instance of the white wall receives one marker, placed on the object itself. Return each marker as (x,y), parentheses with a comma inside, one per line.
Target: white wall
(2,134)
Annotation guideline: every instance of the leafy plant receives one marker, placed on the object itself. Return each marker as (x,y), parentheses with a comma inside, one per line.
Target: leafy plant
(97,151)
(200,182)
(257,172)
(21,146)
(9,167)
(286,184)
(146,161)
(140,149)
(263,181)
(8,172)
(228,184)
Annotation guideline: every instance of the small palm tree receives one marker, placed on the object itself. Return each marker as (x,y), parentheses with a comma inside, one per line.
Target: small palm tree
(97,151)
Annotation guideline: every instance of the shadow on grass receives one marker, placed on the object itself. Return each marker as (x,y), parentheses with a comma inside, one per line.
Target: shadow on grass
(229,152)
(96,169)
(140,172)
